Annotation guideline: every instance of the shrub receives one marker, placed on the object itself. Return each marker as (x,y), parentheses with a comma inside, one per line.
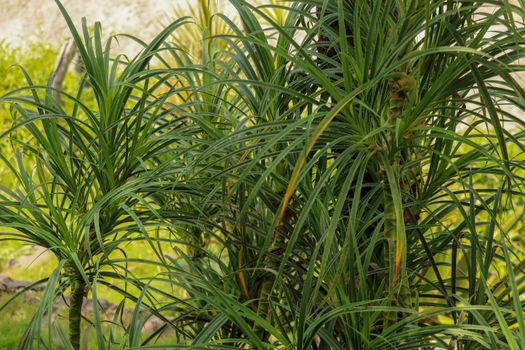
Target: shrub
(317,183)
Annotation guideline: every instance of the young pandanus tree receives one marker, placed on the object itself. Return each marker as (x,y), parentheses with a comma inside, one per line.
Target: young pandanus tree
(359,133)
(85,177)
(396,111)
(414,83)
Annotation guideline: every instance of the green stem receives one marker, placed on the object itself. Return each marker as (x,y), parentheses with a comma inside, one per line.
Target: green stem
(390,235)
(75,311)
(263,308)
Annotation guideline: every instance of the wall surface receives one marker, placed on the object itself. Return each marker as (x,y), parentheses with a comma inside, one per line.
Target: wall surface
(22,20)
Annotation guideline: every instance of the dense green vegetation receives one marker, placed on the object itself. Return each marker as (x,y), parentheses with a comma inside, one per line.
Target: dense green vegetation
(315,175)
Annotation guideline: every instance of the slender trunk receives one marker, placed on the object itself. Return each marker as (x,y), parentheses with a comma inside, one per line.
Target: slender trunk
(263,308)
(67,53)
(75,311)
(400,88)
(392,246)
(390,231)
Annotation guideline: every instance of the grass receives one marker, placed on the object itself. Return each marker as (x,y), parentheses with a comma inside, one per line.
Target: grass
(16,318)
(39,58)
(13,322)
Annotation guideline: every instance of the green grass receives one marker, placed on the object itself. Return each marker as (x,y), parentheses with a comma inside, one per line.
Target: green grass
(38,58)
(14,321)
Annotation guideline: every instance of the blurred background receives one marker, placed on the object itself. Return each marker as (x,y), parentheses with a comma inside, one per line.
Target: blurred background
(21,20)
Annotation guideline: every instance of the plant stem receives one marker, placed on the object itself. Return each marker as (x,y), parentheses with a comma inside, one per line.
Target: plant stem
(263,308)
(75,311)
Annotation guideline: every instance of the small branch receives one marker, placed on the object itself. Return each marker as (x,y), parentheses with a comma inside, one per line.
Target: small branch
(67,53)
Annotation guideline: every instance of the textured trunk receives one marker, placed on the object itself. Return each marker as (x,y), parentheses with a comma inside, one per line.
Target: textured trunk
(393,246)
(75,311)
(67,53)
(263,308)
(390,231)
(400,88)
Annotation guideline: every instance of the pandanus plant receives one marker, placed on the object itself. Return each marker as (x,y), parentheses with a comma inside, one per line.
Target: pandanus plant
(85,178)
(357,159)
(359,168)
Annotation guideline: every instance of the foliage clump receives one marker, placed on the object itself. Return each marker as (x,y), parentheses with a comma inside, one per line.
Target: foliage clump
(316,175)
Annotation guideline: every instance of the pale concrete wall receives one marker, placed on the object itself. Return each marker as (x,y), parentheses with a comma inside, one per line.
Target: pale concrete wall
(41,20)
